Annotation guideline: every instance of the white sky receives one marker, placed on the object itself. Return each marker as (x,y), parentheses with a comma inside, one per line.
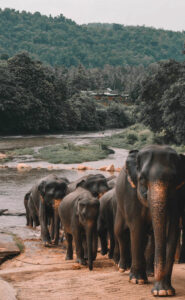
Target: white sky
(167,14)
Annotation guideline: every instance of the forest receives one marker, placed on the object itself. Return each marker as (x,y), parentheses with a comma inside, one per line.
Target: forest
(61,42)
(48,88)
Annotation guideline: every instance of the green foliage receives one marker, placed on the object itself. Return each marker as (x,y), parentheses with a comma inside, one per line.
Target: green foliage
(70,153)
(162,102)
(133,137)
(60,41)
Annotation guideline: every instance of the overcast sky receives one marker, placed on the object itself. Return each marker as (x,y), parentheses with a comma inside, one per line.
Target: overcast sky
(167,14)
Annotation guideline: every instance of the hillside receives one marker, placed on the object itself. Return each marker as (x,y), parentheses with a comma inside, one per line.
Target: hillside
(60,41)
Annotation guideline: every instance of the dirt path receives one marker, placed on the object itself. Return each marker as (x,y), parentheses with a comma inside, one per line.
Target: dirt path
(42,273)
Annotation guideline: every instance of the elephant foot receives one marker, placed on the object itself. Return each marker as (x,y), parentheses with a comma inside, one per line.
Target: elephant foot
(123,266)
(47,244)
(55,242)
(103,251)
(150,272)
(110,254)
(137,278)
(69,257)
(162,290)
(81,261)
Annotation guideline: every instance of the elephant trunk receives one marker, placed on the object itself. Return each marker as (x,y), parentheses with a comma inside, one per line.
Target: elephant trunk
(158,207)
(89,234)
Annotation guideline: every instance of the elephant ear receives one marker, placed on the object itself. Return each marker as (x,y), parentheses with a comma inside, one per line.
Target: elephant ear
(81,183)
(42,188)
(131,167)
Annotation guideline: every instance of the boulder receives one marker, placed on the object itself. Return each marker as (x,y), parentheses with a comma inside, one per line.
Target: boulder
(6,291)
(110,168)
(23,166)
(103,168)
(81,168)
(8,247)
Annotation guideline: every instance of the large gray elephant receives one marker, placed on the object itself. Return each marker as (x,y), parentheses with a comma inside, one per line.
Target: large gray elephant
(148,200)
(44,201)
(79,213)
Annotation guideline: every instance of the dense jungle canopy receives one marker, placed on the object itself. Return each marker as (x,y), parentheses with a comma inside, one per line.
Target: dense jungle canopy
(60,41)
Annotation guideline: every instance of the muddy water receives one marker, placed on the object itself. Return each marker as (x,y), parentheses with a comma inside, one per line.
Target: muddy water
(14,184)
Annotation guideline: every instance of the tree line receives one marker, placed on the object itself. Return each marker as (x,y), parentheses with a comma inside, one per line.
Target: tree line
(36,98)
(60,41)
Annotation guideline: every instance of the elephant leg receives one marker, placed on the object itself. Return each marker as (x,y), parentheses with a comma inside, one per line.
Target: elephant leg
(149,255)
(78,238)
(138,244)
(182,251)
(163,286)
(116,256)
(69,239)
(102,232)
(122,235)
(112,243)
(44,225)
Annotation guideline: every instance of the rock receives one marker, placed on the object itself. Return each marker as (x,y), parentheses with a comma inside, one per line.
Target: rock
(81,168)
(103,168)
(117,169)
(2,156)
(50,167)
(3,167)
(2,211)
(110,168)
(6,291)
(90,168)
(8,247)
(23,166)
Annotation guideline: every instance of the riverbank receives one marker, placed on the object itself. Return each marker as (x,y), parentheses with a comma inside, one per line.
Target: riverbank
(40,273)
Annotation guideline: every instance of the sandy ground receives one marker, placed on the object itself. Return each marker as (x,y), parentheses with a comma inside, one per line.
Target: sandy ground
(42,273)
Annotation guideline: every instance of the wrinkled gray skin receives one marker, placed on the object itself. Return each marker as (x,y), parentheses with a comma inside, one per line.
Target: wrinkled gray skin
(106,221)
(44,201)
(148,199)
(79,213)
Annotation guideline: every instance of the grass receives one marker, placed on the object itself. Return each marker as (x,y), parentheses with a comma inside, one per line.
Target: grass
(70,153)
(136,137)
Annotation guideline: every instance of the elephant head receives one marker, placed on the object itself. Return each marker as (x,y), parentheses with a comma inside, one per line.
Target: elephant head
(52,190)
(95,184)
(87,212)
(157,173)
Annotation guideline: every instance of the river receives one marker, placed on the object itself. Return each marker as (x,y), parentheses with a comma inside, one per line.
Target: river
(14,184)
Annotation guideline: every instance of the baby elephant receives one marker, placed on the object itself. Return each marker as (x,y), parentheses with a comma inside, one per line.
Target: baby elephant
(79,213)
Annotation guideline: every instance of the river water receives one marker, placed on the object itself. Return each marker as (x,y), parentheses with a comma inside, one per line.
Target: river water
(14,184)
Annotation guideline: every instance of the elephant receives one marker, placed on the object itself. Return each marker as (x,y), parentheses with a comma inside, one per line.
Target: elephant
(148,200)
(106,221)
(79,213)
(96,184)
(45,198)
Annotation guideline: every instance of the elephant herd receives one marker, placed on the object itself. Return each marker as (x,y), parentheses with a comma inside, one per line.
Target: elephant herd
(140,215)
